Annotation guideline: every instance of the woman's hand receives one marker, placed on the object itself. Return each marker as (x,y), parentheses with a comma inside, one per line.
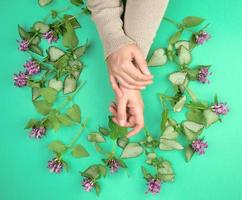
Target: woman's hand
(128,68)
(128,111)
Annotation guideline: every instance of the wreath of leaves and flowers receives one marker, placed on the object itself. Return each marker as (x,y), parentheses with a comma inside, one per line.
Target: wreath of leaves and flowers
(54,78)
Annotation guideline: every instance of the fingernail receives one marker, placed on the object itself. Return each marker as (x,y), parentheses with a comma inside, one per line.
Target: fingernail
(122,122)
(142,88)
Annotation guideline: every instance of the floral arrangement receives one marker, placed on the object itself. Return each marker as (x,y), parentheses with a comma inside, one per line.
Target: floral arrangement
(54,78)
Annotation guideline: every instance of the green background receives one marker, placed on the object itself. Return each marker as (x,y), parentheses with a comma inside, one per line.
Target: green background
(217,175)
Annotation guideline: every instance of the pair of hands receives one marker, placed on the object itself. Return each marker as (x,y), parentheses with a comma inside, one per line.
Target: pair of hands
(128,73)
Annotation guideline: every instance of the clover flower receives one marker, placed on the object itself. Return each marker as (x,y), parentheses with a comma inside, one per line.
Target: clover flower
(203,75)
(55,165)
(87,184)
(201,37)
(220,108)
(37,132)
(50,36)
(32,67)
(20,79)
(113,164)
(154,186)
(199,146)
(23,45)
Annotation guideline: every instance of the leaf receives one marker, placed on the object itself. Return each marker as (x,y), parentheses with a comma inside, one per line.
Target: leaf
(183,43)
(193,126)
(74,113)
(35,93)
(56,84)
(91,172)
(31,123)
(180,104)
(70,39)
(77,2)
(49,94)
(184,56)
(190,135)
(55,53)
(166,144)
(132,150)
(178,78)
(36,49)
(64,119)
(170,133)
(36,40)
(95,137)
(79,151)
(122,142)
(146,174)
(210,117)
(158,58)
(79,51)
(44,2)
(164,119)
(189,153)
(175,37)
(22,33)
(72,20)
(41,27)
(196,116)
(165,172)
(42,106)
(97,188)
(70,85)
(191,21)
(103,131)
(57,146)
(116,131)
(102,170)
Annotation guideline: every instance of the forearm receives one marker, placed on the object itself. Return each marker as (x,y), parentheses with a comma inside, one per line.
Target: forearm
(141,21)
(107,16)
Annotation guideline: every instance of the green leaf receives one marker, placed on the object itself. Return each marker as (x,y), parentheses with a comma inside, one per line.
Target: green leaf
(146,174)
(189,152)
(196,116)
(122,142)
(177,78)
(74,113)
(175,37)
(72,20)
(79,51)
(79,151)
(55,53)
(64,119)
(36,49)
(210,117)
(102,170)
(91,172)
(191,21)
(158,58)
(183,43)
(103,131)
(44,2)
(97,188)
(22,33)
(41,27)
(52,121)
(42,106)
(165,172)
(164,119)
(35,93)
(31,123)
(169,133)
(184,56)
(132,150)
(57,146)
(70,85)
(95,137)
(77,2)
(70,39)
(56,84)
(180,104)
(49,94)
(193,126)
(166,144)
(116,131)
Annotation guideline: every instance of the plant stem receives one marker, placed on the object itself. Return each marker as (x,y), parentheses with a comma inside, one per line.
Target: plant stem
(171,21)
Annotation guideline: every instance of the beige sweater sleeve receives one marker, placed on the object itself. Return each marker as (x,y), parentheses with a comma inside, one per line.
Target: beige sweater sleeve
(107,16)
(142,20)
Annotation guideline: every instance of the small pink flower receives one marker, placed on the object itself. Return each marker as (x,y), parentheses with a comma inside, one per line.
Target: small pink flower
(55,165)
(154,186)
(199,146)
(32,67)
(23,45)
(87,184)
(203,75)
(37,132)
(113,164)
(20,79)
(220,108)
(201,37)
(50,36)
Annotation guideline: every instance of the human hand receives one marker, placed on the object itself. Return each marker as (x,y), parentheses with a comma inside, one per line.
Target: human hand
(128,111)
(127,68)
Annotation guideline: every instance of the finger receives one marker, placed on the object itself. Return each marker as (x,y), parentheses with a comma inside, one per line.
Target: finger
(115,86)
(139,122)
(126,85)
(133,82)
(113,110)
(121,108)
(137,74)
(141,62)
(127,124)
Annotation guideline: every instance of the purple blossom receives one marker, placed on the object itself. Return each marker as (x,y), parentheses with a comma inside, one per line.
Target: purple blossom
(87,184)
(55,165)
(220,108)
(201,37)
(23,45)
(199,146)
(203,75)
(154,186)
(37,132)
(113,164)
(20,79)
(32,67)
(50,36)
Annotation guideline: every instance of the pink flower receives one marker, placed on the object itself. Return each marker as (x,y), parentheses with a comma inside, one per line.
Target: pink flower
(32,67)
(23,45)
(50,36)
(154,186)
(55,165)
(37,132)
(20,79)
(203,75)
(201,37)
(199,146)
(113,164)
(220,108)
(87,184)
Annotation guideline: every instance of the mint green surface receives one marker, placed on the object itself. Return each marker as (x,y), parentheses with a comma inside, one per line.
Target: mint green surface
(215,176)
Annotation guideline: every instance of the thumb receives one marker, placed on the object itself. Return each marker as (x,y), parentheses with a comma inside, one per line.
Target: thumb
(141,62)
(121,111)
